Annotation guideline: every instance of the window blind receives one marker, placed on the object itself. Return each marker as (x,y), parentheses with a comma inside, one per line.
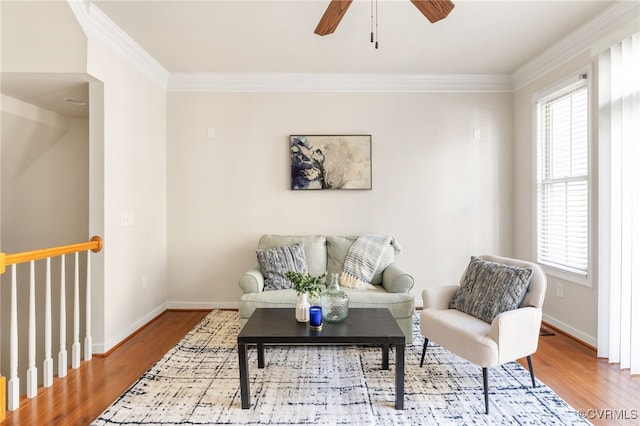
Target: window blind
(563,179)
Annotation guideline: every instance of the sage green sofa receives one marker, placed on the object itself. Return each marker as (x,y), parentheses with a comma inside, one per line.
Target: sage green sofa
(327,254)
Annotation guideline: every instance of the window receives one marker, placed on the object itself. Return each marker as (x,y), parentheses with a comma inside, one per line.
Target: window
(563,178)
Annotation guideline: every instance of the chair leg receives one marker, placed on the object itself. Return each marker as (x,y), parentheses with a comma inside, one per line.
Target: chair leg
(485,381)
(424,350)
(533,380)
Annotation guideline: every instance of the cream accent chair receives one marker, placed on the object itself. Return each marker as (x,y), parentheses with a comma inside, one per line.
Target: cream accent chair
(510,336)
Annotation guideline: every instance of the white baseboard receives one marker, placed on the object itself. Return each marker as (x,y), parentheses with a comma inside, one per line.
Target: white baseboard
(103,348)
(202,305)
(590,340)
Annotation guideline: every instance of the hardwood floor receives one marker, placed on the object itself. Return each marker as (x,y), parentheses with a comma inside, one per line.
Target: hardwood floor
(87,391)
(608,395)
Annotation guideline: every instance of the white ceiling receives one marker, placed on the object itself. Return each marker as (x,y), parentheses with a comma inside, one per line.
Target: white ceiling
(478,37)
(276,36)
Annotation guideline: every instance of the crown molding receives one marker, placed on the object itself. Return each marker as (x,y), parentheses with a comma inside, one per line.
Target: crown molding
(352,82)
(579,41)
(99,26)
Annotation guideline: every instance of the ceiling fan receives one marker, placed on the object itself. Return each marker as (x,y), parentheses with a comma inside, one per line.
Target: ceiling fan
(433,10)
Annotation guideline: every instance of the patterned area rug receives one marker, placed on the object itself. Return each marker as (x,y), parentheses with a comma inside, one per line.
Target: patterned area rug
(197,383)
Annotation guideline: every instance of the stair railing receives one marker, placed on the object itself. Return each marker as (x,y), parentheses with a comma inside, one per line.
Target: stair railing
(11,388)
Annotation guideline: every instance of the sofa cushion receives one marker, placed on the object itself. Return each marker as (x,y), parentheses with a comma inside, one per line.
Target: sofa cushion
(488,289)
(315,249)
(276,262)
(401,305)
(337,249)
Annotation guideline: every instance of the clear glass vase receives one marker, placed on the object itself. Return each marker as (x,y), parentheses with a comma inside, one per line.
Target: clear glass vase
(335,302)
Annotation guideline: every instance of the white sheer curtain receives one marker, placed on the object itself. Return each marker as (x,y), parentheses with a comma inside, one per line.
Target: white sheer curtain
(619,205)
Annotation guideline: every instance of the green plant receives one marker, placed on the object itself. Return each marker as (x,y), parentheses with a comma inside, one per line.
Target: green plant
(304,282)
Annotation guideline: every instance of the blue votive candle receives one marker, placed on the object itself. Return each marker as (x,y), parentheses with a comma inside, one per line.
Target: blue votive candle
(315,316)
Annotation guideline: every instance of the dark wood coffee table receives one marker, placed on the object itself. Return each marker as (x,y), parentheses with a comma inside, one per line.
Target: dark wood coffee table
(363,326)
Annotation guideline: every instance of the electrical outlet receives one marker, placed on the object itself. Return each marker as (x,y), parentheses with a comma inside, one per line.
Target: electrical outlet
(145,281)
(559,290)
(126,219)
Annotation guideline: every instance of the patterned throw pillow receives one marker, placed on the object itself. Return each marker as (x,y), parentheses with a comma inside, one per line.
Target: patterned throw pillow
(490,288)
(277,261)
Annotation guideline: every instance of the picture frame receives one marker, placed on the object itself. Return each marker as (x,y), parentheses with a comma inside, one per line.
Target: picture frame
(330,162)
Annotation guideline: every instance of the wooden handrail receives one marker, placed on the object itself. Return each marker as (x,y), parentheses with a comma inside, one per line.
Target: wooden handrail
(3,398)
(9,391)
(94,245)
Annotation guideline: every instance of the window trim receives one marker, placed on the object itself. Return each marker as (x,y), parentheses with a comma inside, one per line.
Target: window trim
(564,83)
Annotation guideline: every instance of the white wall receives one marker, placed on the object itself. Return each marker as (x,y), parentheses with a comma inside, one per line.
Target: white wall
(134,183)
(442,194)
(45,187)
(41,36)
(576,312)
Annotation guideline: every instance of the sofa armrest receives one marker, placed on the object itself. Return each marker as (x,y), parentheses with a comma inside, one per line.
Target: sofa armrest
(438,297)
(396,280)
(516,332)
(252,281)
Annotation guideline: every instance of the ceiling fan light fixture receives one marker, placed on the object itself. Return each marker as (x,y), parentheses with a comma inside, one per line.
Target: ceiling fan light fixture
(332,16)
(434,10)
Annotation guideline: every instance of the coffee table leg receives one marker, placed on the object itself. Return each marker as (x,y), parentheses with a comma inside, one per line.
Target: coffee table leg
(260,355)
(244,377)
(400,377)
(385,357)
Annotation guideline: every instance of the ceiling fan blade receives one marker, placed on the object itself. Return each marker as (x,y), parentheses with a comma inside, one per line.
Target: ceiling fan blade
(332,16)
(434,10)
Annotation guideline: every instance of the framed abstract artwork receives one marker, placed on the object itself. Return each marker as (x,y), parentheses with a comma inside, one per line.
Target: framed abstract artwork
(330,161)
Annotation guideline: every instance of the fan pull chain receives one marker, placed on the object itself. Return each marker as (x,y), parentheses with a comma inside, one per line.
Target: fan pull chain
(376,24)
(374,27)
(371,21)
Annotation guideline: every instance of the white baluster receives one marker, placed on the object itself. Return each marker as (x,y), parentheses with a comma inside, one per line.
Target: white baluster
(32,371)
(62,355)
(47,367)
(88,350)
(13,387)
(75,348)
